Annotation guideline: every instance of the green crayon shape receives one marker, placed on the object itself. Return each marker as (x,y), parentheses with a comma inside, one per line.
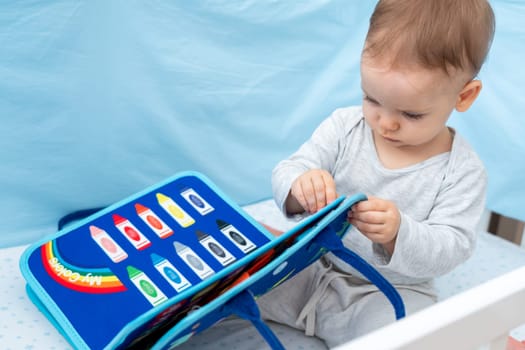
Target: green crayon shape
(146,286)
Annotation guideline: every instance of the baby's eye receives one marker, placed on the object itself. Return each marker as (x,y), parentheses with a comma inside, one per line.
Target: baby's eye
(414,116)
(371,100)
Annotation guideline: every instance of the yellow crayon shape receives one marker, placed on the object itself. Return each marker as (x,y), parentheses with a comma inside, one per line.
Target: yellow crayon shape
(182,218)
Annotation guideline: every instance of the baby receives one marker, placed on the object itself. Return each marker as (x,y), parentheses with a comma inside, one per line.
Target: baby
(425,185)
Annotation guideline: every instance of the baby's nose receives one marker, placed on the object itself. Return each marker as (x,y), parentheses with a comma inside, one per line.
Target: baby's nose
(388,123)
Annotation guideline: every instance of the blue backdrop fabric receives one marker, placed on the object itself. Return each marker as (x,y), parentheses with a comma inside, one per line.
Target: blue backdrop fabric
(495,125)
(100,99)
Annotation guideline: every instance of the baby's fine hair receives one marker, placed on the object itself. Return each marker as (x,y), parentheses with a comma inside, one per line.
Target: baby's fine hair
(443,34)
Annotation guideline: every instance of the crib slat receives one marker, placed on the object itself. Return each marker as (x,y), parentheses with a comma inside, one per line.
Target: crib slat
(481,316)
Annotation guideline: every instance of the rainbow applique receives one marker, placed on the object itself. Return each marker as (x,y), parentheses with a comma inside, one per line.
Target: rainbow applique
(92,280)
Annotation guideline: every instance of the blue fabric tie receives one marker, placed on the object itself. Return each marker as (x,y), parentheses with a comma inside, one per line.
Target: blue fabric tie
(329,240)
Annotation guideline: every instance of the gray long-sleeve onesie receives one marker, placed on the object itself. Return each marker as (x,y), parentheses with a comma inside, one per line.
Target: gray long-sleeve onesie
(440,199)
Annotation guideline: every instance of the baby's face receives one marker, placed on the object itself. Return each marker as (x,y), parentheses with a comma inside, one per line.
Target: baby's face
(407,107)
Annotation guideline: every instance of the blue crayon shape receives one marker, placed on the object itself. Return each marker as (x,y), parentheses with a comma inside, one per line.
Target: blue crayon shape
(170,273)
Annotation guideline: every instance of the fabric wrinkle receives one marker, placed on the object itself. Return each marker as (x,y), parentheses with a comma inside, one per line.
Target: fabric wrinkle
(322,280)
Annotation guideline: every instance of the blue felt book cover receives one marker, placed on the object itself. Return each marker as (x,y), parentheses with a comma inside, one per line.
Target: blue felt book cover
(154,269)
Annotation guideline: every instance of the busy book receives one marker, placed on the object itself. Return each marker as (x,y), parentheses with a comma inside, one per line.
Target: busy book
(164,264)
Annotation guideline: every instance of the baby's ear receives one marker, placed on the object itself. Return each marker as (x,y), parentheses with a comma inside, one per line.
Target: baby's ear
(468,95)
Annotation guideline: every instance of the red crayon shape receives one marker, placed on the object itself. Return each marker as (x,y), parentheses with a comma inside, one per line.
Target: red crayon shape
(129,231)
(153,221)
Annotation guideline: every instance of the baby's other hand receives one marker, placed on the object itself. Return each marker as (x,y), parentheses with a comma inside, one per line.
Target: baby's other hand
(313,190)
(378,219)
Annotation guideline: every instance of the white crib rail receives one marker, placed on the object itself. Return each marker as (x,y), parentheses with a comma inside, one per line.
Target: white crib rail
(479,318)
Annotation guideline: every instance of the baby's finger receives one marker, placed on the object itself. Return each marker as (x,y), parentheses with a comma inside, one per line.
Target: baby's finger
(299,195)
(329,188)
(308,195)
(319,192)
(368,229)
(371,204)
(371,217)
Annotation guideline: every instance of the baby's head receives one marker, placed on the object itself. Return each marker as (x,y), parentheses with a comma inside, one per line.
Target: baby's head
(418,64)
(451,35)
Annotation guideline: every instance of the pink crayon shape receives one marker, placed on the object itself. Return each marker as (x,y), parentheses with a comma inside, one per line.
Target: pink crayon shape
(133,235)
(153,221)
(108,245)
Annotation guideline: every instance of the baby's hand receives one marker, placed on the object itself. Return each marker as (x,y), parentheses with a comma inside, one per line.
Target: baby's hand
(377,219)
(312,191)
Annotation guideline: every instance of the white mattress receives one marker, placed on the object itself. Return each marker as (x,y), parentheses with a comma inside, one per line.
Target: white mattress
(22,326)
